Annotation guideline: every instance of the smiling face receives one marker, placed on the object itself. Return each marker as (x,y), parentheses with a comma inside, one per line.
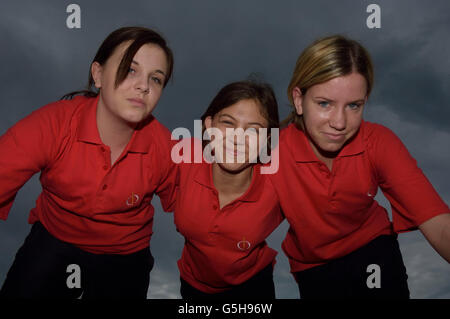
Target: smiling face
(134,99)
(243,115)
(332,112)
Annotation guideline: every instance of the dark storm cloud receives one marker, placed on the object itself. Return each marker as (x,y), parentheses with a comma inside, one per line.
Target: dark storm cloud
(216,42)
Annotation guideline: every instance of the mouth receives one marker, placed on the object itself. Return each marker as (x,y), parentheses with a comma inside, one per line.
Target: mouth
(234,151)
(137,102)
(334,137)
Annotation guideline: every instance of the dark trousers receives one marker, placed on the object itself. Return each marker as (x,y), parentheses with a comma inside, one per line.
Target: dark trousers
(45,267)
(260,286)
(353,277)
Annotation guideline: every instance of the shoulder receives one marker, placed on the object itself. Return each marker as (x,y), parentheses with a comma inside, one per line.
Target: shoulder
(375,130)
(376,135)
(385,149)
(160,135)
(158,128)
(53,116)
(63,108)
(290,137)
(288,133)
(189,151)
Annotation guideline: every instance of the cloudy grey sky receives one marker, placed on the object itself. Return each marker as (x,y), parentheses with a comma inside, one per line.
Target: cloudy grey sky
(216,42)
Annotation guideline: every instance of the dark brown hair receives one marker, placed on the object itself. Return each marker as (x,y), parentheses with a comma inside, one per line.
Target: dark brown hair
(139,36)
(262,93)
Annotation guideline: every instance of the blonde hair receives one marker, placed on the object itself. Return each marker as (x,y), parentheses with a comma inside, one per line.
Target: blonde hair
(325,59)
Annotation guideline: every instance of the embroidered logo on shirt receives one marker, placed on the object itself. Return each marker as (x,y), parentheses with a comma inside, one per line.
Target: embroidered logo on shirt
(243,244)
(132,200)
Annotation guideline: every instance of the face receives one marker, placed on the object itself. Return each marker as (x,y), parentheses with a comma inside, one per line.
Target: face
(332,112)
(136,97)
(238,151)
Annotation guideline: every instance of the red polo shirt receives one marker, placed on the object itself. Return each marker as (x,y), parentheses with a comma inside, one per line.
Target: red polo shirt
(334,213)
(86,201)
(223,247)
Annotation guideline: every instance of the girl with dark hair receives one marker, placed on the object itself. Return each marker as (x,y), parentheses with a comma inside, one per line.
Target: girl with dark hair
(226,209)
(341,243)
(102,156)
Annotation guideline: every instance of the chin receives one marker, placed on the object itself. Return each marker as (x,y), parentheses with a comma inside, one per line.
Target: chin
(233,168)
(135,118)
(329,147)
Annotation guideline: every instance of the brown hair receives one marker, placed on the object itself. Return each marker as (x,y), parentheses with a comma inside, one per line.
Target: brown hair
(261,93)
(325,59)
(139,36)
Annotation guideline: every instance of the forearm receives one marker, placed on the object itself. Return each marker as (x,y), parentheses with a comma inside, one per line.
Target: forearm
(444,243)
(437,232)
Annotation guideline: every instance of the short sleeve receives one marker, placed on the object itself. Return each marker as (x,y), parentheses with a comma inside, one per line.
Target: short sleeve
(412,197)
(167,187)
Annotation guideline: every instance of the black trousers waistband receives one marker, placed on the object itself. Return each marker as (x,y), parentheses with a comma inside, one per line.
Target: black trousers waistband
(260,286)
(375,270)
(45,267)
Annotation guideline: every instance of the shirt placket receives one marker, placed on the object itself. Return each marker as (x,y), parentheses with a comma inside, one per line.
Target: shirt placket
(105,155)
(332,193)
(329,177)
(214,226)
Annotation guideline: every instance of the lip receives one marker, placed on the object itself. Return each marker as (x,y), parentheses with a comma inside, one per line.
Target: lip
(137,101)
(234,151)
(334,137)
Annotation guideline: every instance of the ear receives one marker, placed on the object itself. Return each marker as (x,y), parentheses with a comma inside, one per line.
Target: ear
(297,97)
(208,122)
(96,71)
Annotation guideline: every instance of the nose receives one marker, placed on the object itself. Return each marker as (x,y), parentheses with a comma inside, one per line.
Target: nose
(235,135)
(142,85)
(338,119)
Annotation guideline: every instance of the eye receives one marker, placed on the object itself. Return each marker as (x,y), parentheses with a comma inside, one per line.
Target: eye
(253,130)
(354,106)
(323,103)
(156,80)
(131,70)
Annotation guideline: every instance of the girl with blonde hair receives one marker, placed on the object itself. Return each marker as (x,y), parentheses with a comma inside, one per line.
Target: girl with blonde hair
(341,243)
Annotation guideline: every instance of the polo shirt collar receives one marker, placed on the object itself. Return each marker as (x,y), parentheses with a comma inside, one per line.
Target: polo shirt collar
(88,131)
(303,152)
(203,176)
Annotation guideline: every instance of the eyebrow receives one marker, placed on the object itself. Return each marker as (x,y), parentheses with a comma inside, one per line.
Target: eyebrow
(250,123)
(330,100)
(221,115)
(156,71)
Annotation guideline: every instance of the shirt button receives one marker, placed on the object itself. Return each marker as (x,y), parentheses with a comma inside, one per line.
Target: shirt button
(103,149)
(214,207)
(105,167)
(105,187)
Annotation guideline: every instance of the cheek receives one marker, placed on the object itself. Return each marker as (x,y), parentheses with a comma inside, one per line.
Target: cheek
(314,120)
(355,121)
(123,87)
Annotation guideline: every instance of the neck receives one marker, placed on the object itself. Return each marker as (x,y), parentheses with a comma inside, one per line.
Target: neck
(231,182)
(325,157)
(113,131)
